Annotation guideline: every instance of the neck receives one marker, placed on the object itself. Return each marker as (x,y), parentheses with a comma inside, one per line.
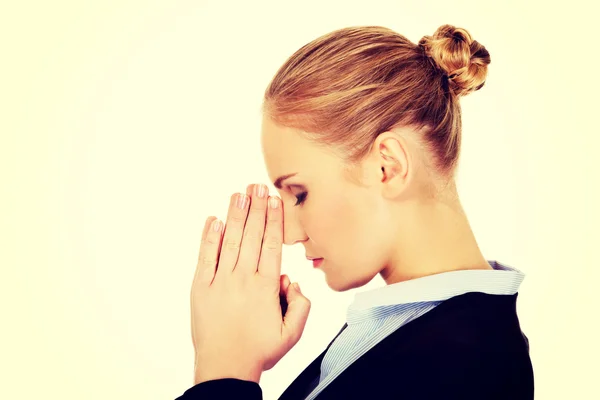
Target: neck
(434,237)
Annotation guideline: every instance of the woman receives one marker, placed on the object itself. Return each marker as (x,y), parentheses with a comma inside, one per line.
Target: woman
(361,134)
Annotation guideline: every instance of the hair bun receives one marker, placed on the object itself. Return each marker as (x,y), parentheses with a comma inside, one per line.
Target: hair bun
(463,60)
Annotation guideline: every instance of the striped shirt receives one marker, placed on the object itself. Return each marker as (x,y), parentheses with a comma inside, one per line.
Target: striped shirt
(376,313)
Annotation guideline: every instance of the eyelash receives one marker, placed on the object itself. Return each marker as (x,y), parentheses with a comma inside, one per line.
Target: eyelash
(300,198)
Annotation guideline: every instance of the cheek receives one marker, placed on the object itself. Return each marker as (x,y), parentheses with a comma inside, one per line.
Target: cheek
(326,221)
(355,233)
(338,224)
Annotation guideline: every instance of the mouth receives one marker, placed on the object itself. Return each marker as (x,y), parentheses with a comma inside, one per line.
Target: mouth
(317,262)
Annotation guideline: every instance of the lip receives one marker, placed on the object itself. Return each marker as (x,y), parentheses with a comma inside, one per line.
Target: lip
(317,262)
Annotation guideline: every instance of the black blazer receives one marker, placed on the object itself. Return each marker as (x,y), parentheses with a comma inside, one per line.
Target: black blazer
(469,347)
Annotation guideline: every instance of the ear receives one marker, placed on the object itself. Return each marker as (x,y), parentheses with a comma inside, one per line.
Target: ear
(394,158)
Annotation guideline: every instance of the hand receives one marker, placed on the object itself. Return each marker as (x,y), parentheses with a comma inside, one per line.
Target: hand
(238,329)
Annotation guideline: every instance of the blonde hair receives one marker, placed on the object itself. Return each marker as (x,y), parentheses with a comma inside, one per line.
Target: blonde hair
(345,88)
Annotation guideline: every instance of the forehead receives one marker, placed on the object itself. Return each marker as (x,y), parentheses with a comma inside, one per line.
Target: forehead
(286,151)
(280,142)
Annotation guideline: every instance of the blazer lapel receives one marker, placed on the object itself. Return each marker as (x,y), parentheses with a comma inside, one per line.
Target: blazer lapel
(305,382)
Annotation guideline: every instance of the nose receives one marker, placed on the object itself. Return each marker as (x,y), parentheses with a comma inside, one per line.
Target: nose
(292,228)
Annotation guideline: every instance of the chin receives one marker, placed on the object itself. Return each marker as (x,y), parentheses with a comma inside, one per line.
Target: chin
(339,288)
(342,285)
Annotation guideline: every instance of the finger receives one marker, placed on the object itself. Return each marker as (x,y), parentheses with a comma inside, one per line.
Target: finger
(269,264)
(207,223)
(253,231)
(232,237)
(295,318)
(207,227)
(284,282)
(209,251)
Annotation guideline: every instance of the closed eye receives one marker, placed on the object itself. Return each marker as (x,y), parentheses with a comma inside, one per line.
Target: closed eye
(300,198)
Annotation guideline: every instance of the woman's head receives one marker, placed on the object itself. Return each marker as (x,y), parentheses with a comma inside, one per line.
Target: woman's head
(370,122)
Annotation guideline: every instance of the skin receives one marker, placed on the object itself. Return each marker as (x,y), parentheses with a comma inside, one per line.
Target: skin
(238,326)
(389,215)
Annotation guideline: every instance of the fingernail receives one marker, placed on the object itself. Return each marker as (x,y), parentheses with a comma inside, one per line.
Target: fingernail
(297,287)
(216,225)
(273,202)
(260,190)
(242,200)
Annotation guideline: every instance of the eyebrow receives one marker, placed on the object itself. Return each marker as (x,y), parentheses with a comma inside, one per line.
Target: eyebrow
(282,178)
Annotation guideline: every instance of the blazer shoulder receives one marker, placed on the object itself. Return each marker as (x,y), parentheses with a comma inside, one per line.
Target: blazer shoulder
(463,333)
(488,322)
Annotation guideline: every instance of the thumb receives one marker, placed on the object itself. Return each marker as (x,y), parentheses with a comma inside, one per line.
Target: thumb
(295,318)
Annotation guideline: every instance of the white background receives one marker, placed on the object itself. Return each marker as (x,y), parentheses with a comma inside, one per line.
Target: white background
(124,124)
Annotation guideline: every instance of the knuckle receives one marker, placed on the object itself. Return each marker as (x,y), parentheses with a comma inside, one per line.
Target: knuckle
(252,234)
(275,222)
(257,213)
(258,206)
(212,240)
(272,244)
(275,215)
(237,218)
(207,261)
(231,244)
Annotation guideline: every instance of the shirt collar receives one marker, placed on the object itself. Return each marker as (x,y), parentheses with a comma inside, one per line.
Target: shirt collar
(503,279)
